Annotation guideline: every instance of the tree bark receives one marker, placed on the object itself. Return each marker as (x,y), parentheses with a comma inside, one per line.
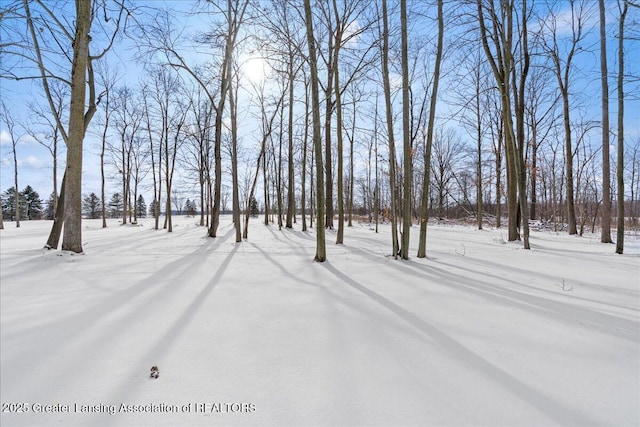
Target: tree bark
(406,128)
(16,193)
(521,173)
(234,159)
(620,166)
(58,220)
(501,67)
(478,152)
(389,119)
(72,233)
(305,140)
(317,142)
(605,223)
(339,135)
(291,194)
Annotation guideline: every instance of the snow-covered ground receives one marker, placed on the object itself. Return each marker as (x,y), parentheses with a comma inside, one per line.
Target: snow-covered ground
(481,332)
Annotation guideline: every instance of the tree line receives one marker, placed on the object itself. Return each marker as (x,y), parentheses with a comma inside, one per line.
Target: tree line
(387,110)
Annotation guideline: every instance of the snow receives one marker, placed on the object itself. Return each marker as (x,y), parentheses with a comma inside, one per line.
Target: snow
(481,332)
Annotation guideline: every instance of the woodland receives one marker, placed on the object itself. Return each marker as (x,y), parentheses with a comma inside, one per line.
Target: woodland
(203,157)
(501,113)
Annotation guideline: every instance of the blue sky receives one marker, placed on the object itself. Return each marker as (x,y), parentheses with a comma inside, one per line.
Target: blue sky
(35,163)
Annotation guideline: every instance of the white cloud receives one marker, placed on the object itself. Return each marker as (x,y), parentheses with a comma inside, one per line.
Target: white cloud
(395,81)
(351,32)
(563,20)
(5,138)
(26,139)
(30,162)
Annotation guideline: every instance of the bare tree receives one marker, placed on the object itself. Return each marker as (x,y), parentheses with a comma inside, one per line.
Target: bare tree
(503,66)
(108,81)
(562,66)
(541,118)
(424,209)
(10,123)
(390,133)
(197,153)
(161,36)
(605,234)
(51,137)
(406,132)
(267,129)
(447,151)
(624,7)
(57,37)
(497,42)
(127,124)
(321,255)
(233,109)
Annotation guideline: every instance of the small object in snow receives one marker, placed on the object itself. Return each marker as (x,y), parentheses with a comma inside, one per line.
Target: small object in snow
(155,373)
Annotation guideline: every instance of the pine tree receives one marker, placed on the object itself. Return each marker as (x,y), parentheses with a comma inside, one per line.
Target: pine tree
(253,207)
(33,205)
(152,207)
(8,204)
(141,207)
(92,206)
(50,210)
(190,208)
(115,206)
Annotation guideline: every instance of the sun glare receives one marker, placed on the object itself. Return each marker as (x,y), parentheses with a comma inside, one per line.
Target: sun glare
(255,69)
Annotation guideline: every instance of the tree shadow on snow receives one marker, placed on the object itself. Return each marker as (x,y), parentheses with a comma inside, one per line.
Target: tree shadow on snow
(95,326)
(543,403)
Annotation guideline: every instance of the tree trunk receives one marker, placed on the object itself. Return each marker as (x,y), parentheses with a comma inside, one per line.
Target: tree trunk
(328,145)
(605,223)
(16,193)
(406,127)
(125,173)
(217,148)
(58,220)
(168,217)
(234,159)
(351,177)
(265,174)
(620,166)
(501,66)
(102,151)
(568,147)
(305,139)
(278,164)
(72,233)
(317,142)
(499,175)
(390,131)
(534,172)
(339,135)
(291,194)
(521,173)
(478,129)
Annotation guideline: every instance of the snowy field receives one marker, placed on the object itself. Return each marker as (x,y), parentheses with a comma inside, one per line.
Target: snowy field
(480,333)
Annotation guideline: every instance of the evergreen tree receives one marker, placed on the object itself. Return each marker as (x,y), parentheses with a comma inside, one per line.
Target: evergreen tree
(33,204)
(115,206)
(8,205)
(141,207)
(92,206)
(152,207)
(190,208)
(50,210)
(253,207)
